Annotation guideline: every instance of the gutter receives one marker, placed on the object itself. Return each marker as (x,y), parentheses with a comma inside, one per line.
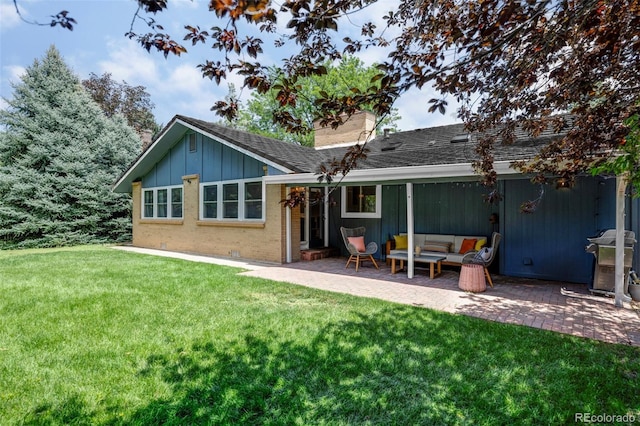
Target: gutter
(393,174)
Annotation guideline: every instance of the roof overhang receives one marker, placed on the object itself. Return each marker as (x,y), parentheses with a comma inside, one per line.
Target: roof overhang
(169,137)
(439,172)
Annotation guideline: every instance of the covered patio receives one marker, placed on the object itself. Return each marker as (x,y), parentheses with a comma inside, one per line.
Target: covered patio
(567,308)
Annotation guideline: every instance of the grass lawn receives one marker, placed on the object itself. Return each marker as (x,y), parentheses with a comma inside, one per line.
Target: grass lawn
(92,335)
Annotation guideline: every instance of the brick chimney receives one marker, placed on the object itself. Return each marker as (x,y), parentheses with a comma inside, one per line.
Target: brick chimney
(356,129)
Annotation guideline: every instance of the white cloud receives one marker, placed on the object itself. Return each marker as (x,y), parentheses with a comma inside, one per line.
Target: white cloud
(185,78)
(188,93)
(129,62)
(175,84)
(14,72)
(8,16)
(187,4)
(413,108)
(10,74)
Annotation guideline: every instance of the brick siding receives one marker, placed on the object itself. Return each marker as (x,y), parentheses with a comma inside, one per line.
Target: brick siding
(247,240)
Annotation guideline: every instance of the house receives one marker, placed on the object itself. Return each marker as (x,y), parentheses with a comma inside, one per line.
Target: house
(209,189)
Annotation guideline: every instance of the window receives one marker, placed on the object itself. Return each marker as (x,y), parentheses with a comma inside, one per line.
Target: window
(361,201)
(193,146)
(232,200)
(162,203)
(253,200)
(157,205)
(210,201)
(176,202)
(148,203)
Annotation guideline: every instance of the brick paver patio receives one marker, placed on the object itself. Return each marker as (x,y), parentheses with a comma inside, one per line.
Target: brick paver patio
(561,307)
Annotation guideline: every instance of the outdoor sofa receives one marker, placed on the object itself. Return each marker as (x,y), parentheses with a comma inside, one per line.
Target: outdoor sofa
(452,247)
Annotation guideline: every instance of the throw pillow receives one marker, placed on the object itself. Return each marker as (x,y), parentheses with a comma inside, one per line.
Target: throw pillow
(439,246)
(486,253)
(480,243)
(358,243)
(401,242)
(467,245)
(482,256)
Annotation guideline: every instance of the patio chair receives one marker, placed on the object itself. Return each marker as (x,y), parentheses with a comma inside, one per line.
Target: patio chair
(485,256)
(354,241)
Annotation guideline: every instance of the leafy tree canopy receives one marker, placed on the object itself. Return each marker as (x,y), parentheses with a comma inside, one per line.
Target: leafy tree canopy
(132,102)
(263,109)
(571,66)
(59,156)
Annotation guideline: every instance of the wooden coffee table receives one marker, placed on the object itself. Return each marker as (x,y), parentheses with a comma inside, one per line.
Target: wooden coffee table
(435,263)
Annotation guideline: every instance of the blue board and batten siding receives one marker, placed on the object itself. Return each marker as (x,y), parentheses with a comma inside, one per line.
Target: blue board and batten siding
(550,242)
(211,160)
(439,208)
(547,244)
(169,170)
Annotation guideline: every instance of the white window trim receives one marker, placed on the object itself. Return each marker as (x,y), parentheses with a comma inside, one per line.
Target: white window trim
(155,190)
(357,215)
(241,200)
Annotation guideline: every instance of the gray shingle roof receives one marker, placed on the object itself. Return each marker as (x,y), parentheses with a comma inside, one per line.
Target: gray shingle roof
(420,147)
(295,157)
(434,146)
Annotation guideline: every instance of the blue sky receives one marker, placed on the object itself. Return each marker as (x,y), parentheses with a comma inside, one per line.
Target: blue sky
(97,44)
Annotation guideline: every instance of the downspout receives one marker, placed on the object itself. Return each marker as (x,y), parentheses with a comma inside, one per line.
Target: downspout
(410,241)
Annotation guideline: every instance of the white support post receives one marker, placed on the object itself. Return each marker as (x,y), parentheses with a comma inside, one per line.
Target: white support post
(307,217)
(326,216)
(288,255)
(621,188)
(410,248)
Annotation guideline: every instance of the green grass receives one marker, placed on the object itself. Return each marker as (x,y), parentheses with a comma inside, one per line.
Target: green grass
(92,335)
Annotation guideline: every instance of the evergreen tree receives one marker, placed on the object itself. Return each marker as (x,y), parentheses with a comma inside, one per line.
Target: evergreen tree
(59,156)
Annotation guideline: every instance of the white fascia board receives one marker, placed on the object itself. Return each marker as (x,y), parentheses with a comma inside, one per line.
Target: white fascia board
(237,148)
(407,174)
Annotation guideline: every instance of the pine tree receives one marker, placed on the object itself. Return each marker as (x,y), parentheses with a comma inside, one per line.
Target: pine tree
(59,156)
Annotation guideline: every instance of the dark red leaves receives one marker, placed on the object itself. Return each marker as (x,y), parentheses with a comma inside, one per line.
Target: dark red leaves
(513,67)
(63,20)
(213,70)
(195,35)
(226,110)
(438,105)
(161,42)
(253,11)
(153,6)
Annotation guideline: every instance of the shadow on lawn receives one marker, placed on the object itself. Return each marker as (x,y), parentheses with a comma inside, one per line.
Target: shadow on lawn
(399,366)
(352,372)
(396,367)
